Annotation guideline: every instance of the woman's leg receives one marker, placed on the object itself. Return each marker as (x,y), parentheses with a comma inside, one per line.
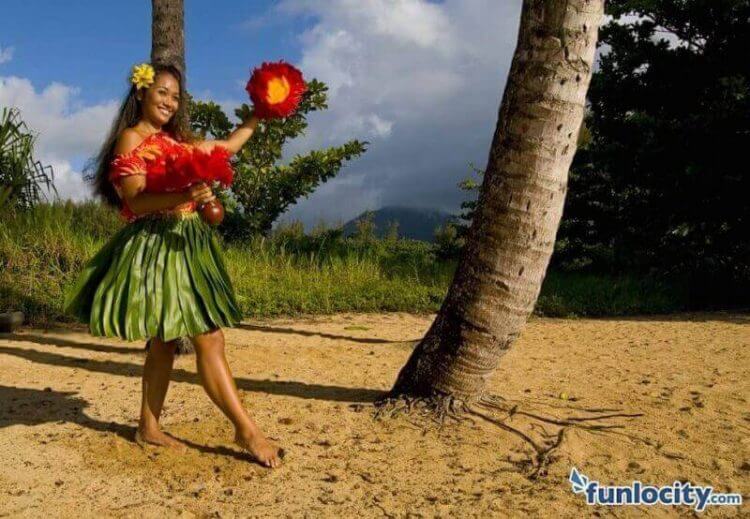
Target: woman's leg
(156,372)
(219,384)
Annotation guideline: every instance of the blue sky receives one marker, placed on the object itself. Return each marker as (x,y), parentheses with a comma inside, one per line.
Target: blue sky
(420,80)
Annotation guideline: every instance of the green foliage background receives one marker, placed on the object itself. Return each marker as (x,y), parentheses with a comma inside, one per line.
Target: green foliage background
(662,186)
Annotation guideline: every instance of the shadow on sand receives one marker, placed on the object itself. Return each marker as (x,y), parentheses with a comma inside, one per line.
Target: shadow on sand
(307,333)
(23,406)
(273,387)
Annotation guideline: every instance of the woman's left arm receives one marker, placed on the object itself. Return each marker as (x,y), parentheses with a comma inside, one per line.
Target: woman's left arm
(236,139)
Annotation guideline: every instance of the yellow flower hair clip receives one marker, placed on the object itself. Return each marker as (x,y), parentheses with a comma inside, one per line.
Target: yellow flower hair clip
(143,75)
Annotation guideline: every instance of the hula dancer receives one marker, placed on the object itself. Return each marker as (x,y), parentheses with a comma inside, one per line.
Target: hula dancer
(162,276)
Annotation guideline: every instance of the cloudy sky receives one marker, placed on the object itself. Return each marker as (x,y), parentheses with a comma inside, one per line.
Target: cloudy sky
(420,80)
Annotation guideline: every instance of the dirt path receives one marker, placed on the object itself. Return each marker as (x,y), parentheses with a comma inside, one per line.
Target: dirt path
(68,404)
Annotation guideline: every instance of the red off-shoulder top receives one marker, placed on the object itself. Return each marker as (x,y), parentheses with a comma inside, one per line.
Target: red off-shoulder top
(151,159)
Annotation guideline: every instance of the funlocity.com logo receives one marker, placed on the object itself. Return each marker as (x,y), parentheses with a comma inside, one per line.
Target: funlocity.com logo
(637,493)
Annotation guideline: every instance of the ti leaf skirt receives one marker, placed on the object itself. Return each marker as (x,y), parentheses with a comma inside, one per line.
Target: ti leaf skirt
(158,277)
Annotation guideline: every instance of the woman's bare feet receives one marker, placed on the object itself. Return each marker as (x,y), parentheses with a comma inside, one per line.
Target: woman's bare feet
(158,438)
(264,451)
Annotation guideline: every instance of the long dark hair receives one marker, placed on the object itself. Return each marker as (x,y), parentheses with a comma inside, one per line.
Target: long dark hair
(130,113)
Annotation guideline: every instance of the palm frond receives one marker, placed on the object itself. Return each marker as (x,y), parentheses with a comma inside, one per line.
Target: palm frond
(24,181)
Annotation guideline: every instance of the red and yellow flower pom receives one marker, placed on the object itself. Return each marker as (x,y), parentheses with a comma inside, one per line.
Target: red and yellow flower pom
(276,89)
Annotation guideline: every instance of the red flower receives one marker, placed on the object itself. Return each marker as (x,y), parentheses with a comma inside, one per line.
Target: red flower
(276,89)
(212,166)
(187,166)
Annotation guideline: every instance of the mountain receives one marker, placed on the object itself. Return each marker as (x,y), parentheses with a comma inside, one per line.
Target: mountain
(414,223)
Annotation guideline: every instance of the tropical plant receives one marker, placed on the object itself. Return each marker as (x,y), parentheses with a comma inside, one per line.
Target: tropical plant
(23,179)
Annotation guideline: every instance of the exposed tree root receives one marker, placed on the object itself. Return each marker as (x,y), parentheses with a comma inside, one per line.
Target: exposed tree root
(435,410)
(548,431)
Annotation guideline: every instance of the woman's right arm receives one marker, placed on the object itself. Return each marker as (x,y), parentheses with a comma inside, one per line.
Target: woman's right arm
(131,187)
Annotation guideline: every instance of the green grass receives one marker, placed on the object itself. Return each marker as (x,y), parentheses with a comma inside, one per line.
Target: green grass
(42,251)
(270,280)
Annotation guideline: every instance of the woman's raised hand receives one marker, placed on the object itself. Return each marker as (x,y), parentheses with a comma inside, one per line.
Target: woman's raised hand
(201,194)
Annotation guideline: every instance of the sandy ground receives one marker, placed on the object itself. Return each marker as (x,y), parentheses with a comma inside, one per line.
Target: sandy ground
(68,405)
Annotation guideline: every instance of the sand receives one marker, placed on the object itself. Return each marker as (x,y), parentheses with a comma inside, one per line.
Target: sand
(69,403)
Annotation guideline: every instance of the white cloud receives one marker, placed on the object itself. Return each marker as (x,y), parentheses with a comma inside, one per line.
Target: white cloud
(69,183)
(6,54)
(420,80)
(405,22)
(68,131)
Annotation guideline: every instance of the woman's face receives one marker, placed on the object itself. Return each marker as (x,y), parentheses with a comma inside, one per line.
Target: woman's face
(161,100)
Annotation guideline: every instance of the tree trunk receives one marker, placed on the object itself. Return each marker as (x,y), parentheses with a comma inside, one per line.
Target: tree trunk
(168,48)
(168,33)
(512,235)
(168,38)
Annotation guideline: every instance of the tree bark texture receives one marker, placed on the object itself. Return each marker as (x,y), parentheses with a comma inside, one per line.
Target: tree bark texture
(168,33)
(512,235)
(168,39)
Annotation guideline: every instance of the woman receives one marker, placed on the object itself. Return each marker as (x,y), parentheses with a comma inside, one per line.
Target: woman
(162,276)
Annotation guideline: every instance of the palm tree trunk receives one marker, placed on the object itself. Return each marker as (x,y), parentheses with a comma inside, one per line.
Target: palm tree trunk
(168,37)
(168,48)
(168,33)
(520,203)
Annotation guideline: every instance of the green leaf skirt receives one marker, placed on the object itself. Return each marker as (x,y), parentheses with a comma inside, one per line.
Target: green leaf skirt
(158,277)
